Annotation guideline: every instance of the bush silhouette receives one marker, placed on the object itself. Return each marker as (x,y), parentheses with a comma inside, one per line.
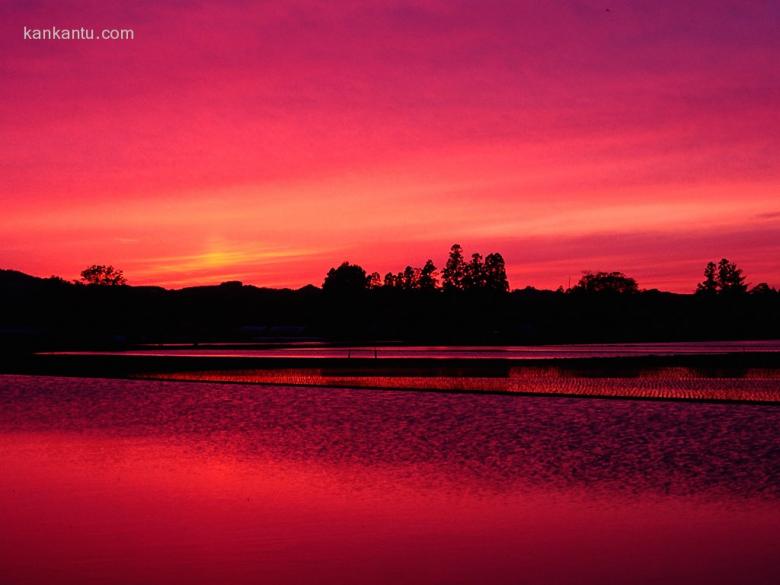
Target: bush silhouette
(346,279)
(103,275)
(606,282)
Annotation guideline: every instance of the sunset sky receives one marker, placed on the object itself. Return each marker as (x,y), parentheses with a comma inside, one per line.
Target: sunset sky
(268,141)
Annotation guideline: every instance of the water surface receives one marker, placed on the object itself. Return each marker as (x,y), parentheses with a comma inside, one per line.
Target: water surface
(174,482)
(514,352)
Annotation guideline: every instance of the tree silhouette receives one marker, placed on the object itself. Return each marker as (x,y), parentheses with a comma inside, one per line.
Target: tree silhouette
(410,278)
(495,273)
(709,286)
(606,282)
(103,275)
(428,279)
(413,278)
(455,269)
(400,280)
(730,278)
(474,276)
(722,278)
(347,278)
(477,274)
(374,280)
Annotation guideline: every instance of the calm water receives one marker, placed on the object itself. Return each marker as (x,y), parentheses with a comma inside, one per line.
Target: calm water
(592,350)
(170,482)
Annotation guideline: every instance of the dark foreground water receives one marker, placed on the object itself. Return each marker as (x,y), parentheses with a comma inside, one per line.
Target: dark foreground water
(109,481)
(514,352)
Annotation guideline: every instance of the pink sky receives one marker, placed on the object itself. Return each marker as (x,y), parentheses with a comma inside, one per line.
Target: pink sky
(267,142)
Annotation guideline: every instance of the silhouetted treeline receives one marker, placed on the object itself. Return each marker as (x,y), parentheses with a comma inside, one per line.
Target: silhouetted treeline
(458,275)
(468,302)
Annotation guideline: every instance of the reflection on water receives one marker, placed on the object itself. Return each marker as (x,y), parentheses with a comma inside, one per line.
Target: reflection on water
(752,384)
(161,482)
(515,352)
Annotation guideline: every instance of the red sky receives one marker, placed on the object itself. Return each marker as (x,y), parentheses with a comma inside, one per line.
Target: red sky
(269,141)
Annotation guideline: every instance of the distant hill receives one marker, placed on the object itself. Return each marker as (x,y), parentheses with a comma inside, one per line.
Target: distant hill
(9,278)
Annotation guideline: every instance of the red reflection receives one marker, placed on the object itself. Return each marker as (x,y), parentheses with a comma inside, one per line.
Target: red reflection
(82,509)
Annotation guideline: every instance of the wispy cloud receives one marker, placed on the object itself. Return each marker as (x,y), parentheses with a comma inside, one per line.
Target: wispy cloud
(769,215)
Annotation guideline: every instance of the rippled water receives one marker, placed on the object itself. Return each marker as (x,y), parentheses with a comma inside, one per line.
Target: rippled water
(753,385)
(109,481)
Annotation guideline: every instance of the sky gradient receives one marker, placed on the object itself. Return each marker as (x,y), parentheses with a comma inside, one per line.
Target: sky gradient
(268,141)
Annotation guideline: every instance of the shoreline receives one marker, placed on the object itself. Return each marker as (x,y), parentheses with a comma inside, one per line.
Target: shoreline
(741,377)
